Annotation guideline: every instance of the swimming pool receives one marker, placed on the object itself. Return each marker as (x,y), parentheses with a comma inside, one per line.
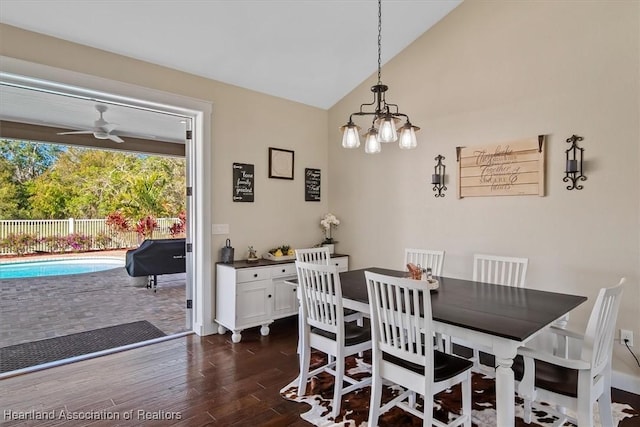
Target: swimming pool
(58,267)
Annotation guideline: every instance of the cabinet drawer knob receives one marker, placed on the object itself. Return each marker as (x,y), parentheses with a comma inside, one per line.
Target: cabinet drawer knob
(255,275)
(283,270)
(269,295)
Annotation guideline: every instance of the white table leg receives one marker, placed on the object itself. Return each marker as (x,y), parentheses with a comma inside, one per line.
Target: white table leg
(505,385)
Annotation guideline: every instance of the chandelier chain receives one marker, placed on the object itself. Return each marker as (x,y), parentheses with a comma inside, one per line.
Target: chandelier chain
(379,41)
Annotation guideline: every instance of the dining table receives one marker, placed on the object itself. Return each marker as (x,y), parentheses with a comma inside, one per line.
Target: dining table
(502,318)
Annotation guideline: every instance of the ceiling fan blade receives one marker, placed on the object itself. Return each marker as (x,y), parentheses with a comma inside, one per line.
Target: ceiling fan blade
(75,132)
(116,138)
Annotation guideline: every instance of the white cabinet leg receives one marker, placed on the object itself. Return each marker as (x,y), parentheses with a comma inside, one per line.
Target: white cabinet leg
(264,330)
(222,330)
(236,337)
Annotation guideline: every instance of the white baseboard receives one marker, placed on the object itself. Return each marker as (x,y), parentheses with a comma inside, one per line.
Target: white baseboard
(626,382)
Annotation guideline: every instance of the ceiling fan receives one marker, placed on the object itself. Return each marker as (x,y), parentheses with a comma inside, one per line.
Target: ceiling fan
(101,128)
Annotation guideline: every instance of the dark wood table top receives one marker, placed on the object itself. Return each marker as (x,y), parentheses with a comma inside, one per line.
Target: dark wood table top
(505,311)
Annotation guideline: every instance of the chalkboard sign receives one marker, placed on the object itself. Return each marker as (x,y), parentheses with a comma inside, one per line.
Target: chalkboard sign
(311,185)
(242,182)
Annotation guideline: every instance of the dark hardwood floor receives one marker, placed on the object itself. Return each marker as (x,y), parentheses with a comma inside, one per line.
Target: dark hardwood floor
(206,380)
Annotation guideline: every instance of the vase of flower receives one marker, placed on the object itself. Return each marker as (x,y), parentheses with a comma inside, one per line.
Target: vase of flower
(327,223)
(331,247)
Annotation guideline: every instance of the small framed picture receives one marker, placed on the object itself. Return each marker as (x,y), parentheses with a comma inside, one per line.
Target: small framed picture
(280,163)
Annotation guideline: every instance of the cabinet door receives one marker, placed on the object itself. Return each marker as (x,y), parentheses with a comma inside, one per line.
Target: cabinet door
(254,300)
(286,299)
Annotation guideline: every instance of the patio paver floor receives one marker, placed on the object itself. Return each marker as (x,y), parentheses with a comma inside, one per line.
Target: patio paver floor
(45,307)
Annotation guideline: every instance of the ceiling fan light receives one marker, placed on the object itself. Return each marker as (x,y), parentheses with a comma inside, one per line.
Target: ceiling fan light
(408,138)
(387,128)
(371,143)
(350,136)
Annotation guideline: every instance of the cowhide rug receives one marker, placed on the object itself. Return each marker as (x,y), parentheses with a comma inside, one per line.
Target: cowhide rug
(355,406)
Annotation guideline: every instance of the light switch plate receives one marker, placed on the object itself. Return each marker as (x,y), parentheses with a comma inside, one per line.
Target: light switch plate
(220,228)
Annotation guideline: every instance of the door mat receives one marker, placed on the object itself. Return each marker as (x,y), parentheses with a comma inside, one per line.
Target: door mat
(21,356)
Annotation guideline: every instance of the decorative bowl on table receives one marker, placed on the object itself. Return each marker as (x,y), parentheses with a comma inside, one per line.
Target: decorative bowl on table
(281,253)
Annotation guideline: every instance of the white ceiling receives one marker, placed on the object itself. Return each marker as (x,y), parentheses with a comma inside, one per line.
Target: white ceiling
(308,51)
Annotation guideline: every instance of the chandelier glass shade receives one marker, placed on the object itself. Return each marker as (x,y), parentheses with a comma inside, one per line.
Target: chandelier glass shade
(385,116)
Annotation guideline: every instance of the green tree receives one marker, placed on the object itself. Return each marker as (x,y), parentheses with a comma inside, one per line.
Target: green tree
(29,159)
(9,208)
(89,183)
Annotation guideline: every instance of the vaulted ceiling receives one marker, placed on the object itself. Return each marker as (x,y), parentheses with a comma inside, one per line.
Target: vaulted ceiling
(308,51)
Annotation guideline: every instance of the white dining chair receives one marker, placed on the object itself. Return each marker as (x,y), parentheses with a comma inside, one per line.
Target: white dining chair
(403,353)
(318,255)
(433,259)
(321,255)
(425,258)
(323,328)
(498,270)
(581,376)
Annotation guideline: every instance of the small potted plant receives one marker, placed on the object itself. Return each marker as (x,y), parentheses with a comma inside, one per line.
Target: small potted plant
(328,222)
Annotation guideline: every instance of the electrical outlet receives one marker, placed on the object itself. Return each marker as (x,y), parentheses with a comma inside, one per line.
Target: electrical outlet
(626,335)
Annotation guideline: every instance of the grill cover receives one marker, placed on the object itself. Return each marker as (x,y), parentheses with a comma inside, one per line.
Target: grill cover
(156,257)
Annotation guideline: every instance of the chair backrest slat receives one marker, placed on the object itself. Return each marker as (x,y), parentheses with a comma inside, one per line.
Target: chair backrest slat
(500,270)
(425,258)
(401,320)
(598,338)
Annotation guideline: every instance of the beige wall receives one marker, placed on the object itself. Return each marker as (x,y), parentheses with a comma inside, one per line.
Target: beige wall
(244,125)
(493,72)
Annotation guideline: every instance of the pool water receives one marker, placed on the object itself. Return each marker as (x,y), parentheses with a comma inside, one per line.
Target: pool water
(16,270)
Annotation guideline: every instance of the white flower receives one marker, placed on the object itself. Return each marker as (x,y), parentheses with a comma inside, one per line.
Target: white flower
(329,220)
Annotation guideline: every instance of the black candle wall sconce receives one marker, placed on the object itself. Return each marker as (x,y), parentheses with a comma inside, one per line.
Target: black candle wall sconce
(437,179)
(573,169)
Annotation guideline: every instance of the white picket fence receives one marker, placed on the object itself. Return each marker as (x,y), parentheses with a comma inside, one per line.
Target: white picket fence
(87,227)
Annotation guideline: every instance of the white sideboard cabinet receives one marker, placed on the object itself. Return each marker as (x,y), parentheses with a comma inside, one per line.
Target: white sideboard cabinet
(255,294)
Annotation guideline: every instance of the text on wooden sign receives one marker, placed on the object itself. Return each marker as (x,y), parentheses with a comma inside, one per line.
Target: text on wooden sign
(506,169)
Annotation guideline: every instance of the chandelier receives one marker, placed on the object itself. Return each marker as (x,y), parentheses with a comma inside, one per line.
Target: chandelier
(386,117)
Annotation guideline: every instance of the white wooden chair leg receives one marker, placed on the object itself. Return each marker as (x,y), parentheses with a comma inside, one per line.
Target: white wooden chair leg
(427,417)
(305,360)
(412,399)
(585,407)
(466,400)
(337,387)
(376,399)
(604,402)
(527,411)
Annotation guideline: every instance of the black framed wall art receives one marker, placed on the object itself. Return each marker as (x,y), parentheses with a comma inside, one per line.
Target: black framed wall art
(311,185)
(243,180)
(281,163)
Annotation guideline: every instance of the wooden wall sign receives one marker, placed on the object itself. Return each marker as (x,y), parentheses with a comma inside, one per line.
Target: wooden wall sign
(507,169)
(311,185)
(243,178)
